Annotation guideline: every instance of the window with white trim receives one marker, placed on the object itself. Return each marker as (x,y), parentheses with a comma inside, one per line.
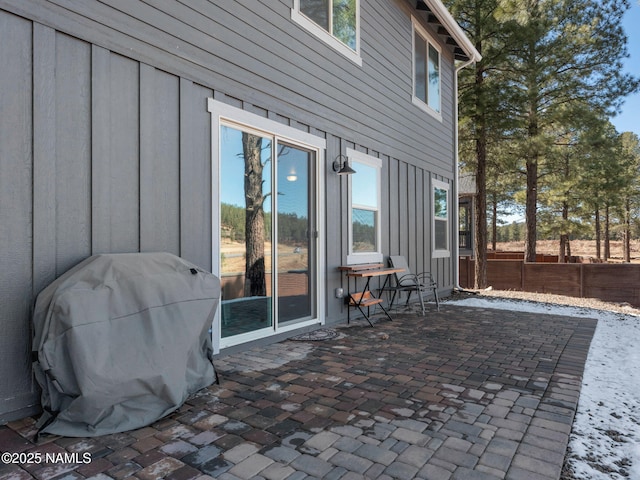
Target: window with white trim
(426,71)
(336,22)
(365,199)
(441,207)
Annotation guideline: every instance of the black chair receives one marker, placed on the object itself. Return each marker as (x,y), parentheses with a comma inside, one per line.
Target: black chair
(405,281)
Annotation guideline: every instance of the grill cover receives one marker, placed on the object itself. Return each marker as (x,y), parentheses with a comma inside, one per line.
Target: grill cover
(121,341)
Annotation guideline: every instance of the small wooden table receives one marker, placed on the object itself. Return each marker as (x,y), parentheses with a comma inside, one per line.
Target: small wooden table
(366,298)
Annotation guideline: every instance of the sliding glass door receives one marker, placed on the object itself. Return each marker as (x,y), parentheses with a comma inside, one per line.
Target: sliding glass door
(295,248)
(268,257)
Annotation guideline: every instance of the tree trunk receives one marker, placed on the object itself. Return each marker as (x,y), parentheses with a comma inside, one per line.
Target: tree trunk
(562,251)
(564,238)
(254,282)
(494,224)
(607,245)
(627,231)
(598,234)
(480,273)
(534,153)
(531,209)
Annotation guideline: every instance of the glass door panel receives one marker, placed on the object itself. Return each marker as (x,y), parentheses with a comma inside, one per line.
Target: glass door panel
(245,231)
(295,234)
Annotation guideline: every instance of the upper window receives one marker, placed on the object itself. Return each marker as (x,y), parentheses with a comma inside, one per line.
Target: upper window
(364,212)
(426,71)
(440,229)
(337,22)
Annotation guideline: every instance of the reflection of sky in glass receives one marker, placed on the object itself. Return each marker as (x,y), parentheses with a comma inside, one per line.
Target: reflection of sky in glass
(364,184)
(292,195)
(232,167)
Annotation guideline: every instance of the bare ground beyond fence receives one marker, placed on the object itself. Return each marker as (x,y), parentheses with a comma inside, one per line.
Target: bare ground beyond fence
(607,282)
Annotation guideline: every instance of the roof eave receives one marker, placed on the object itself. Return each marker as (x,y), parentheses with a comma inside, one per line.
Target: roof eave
(464,50)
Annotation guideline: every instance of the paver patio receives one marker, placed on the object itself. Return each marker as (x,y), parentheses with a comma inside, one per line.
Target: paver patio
(465,393)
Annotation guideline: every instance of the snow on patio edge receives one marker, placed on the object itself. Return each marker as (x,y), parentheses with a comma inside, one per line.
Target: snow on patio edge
(605,438)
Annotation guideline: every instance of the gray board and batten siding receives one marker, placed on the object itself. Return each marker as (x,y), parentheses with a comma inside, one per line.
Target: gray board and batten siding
(105,138)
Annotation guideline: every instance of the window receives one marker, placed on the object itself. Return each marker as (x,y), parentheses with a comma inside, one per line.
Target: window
(440,220)
(364,212)
(426,71)
(464,223)
(336,22)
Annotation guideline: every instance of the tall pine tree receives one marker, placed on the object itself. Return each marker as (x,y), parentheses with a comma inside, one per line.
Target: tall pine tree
(561,53)
(481,118)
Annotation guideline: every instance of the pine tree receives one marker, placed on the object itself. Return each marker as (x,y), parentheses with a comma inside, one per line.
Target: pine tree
(630,150)
(481,118)
(602,177)
(561,53)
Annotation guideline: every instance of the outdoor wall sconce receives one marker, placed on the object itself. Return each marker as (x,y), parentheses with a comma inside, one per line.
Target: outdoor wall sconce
(342,167)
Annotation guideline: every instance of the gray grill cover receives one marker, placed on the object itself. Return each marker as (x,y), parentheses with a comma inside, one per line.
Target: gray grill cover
(121,341)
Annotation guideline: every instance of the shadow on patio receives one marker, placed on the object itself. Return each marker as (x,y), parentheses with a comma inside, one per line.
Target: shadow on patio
(465,393)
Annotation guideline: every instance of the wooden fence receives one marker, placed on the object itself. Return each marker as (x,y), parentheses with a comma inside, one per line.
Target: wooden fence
(290,283)
(605,281)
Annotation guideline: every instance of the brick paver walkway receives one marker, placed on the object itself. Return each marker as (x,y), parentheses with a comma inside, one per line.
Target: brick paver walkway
(465,393)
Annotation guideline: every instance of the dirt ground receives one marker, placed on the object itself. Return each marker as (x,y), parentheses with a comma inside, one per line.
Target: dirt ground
(584,248)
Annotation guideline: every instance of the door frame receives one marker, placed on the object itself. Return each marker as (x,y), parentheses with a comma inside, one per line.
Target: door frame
(224,114)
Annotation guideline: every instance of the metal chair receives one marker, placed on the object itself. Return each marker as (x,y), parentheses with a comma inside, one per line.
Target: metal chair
(406,281)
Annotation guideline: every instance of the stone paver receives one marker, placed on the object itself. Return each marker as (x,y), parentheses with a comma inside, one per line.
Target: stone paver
(464,393)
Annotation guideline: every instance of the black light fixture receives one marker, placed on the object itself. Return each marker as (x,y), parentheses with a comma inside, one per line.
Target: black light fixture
(342,167)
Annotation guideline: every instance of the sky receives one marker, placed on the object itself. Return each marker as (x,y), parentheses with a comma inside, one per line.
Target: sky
(629,119)
(605,439)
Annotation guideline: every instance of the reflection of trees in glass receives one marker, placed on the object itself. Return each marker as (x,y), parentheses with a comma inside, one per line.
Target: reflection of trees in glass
(344,22)
(364,238)
(440,223)
(254,283)
(440,203)
(364,230)
(343,15)
(233,222)
(292,229)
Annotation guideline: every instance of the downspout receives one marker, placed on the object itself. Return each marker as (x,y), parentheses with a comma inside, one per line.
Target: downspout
(456,209)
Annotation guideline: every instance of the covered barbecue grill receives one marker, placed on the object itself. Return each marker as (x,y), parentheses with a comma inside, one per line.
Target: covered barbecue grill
(122,340)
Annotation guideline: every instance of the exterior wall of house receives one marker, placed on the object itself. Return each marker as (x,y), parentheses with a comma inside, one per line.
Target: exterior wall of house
(105,138)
